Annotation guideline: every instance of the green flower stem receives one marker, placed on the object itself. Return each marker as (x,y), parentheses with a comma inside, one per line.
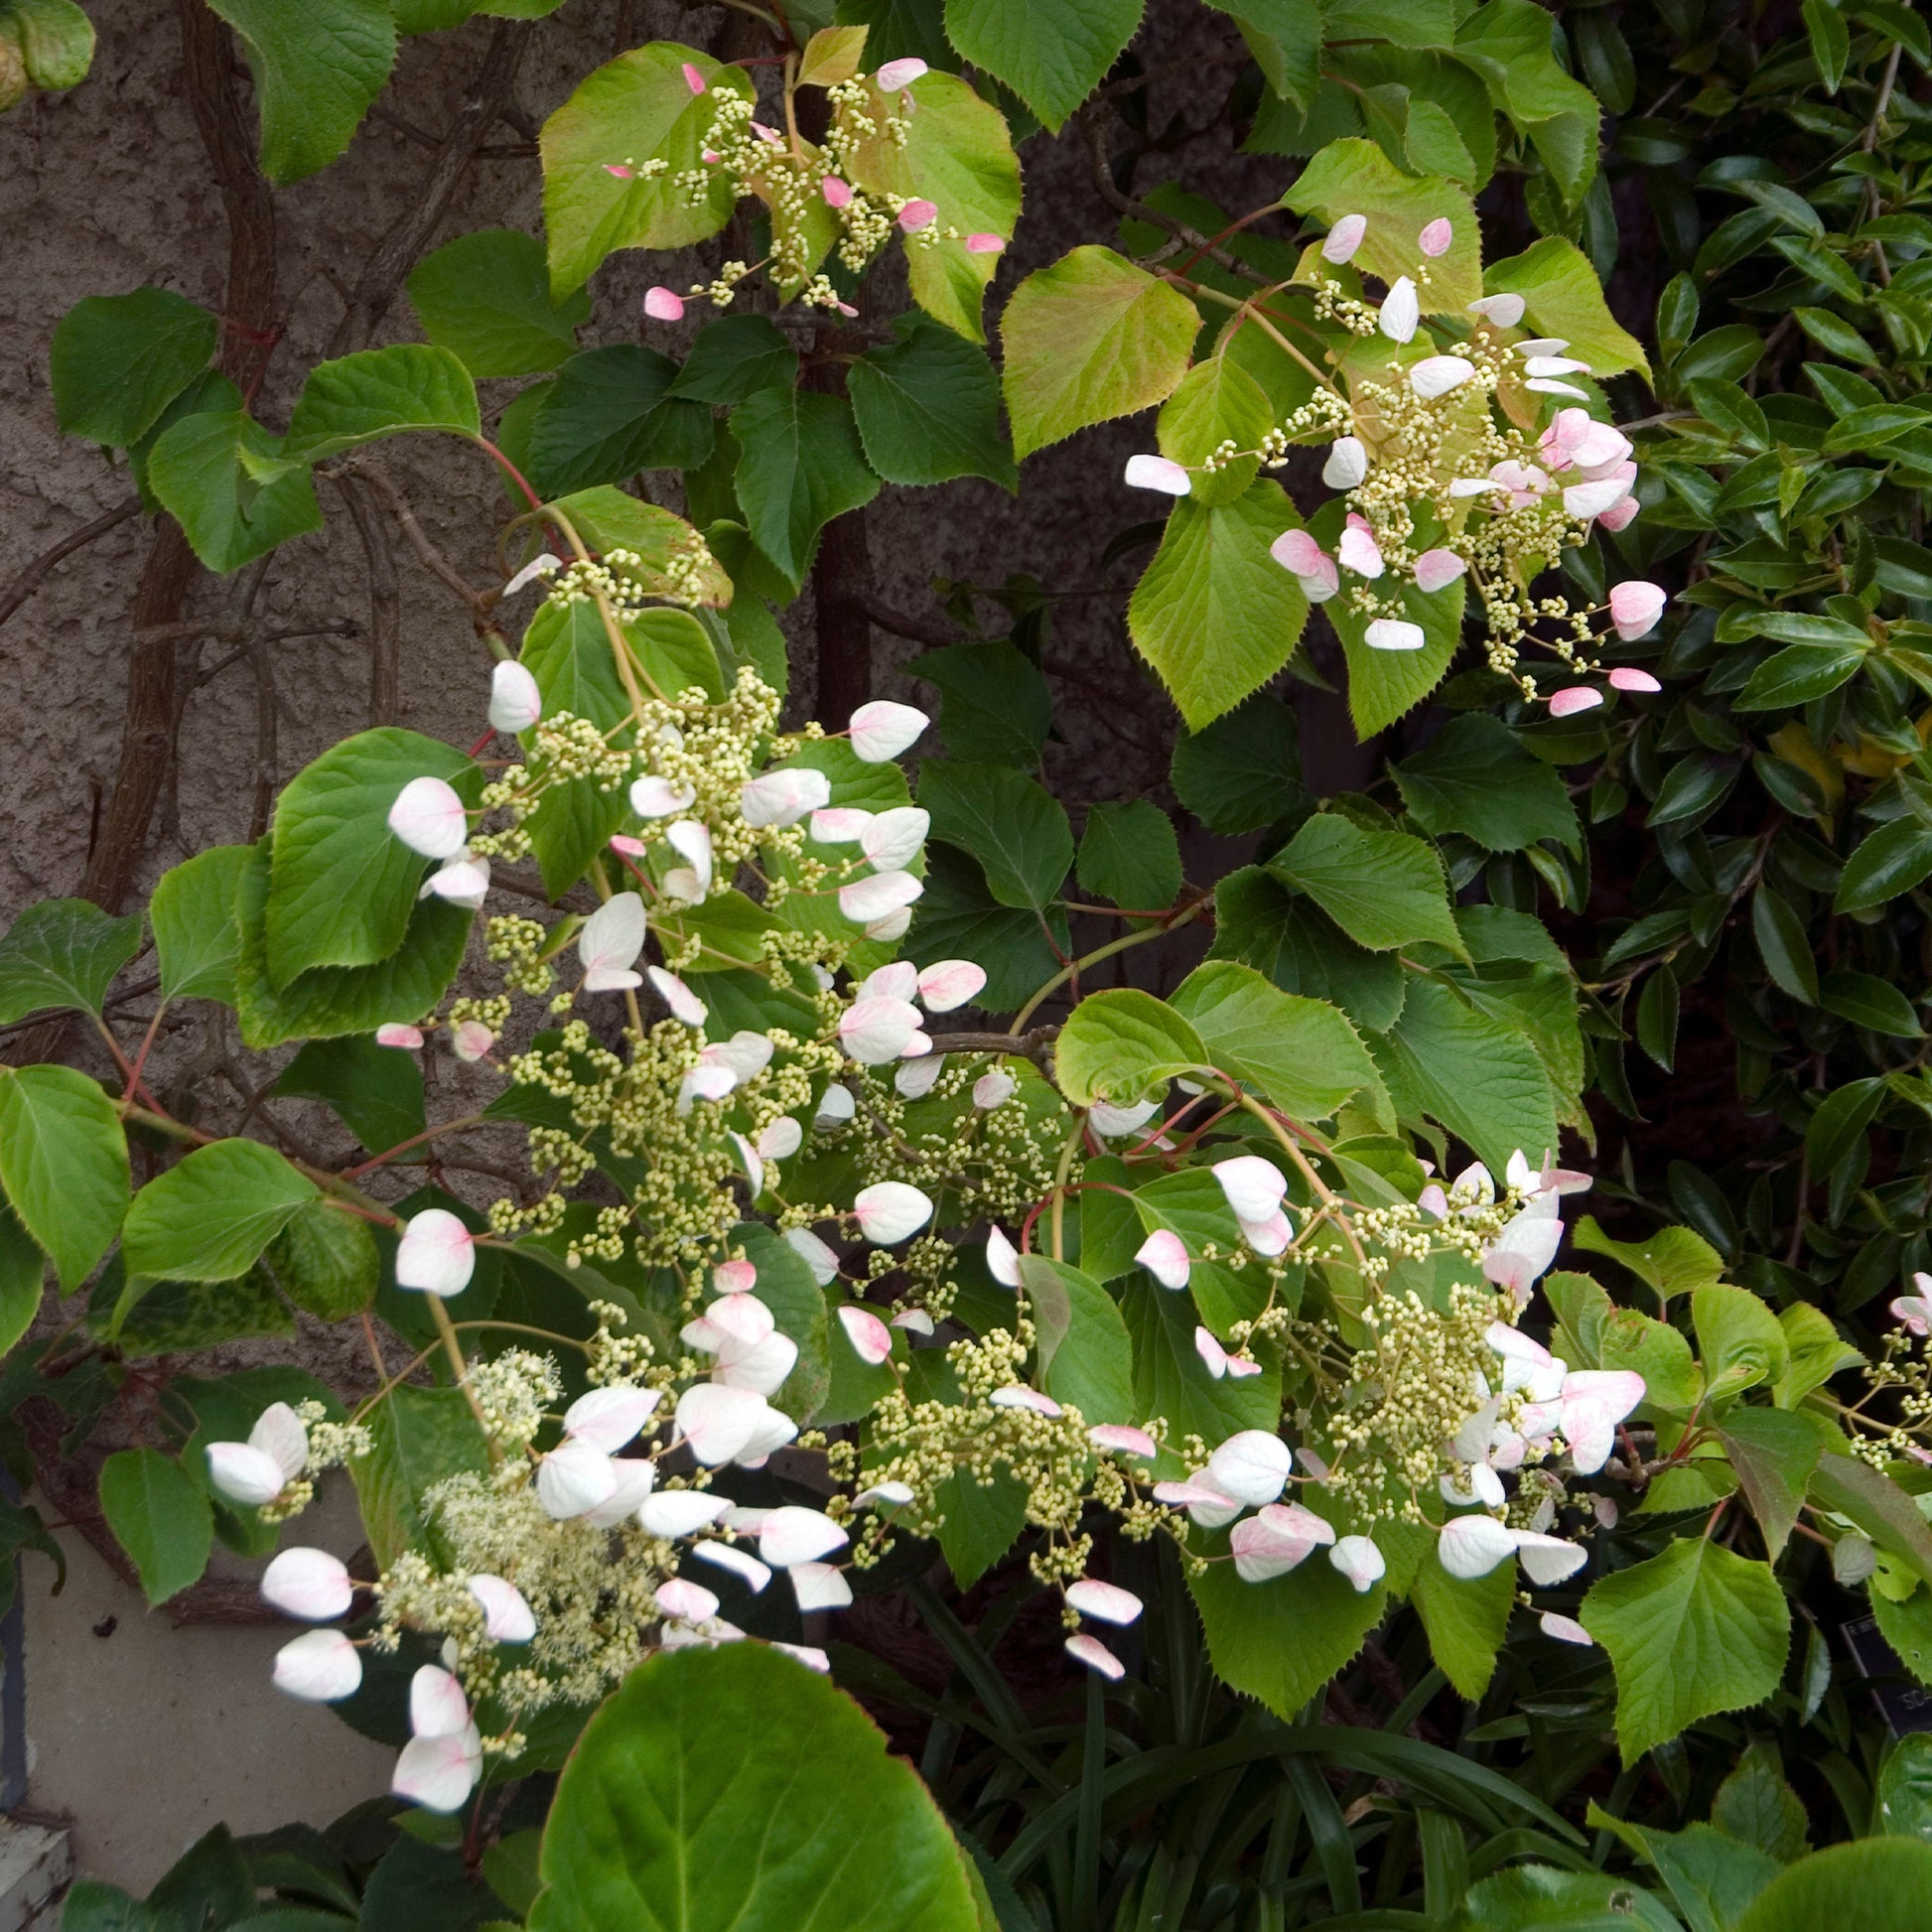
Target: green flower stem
(1099,953)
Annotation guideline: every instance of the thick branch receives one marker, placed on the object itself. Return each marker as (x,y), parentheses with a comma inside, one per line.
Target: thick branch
(30,580)
(478,112)
(1103,176)
(208,63)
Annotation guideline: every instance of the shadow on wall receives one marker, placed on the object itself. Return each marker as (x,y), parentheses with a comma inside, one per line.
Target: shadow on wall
(141,1736)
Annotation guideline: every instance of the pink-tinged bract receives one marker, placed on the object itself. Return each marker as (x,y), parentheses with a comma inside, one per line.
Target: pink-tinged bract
(1253,1186)
(1574,698)
(1435,568)
(1107,1602)
(1635,608)
(1564,1629)
(663,305)
(741,1563)
(1096,1656)
(507,1616)
(1626,677)
(1160,472)
(687,1602)
(574,1479)
(1164,1257)
(440,1772)
(1472,1546)
(318,1667)
(1344,238)
(1400,310)
(429,817)
(791,1534)
(984,244)
(515,703)
(819,1587)
(608,944)
(245,1475)
(837,194)
(685,1005)
(1123,1439)
(1437,236)
(1347,463)
(1358,1557)
(309,1584)
(410,1039)
(871,1339)
(693,78)
(881,729)
(1297,551)
(1016,1395)
(917,214)
(896,76)
(1252,1466)
(436,1253)
(609,1417)
(470,1041)
(1394,633)
(1358,551)
(950,983)
(1501,311)
(680,1512)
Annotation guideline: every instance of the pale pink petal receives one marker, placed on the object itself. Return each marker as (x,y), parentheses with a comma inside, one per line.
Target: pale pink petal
(1096,1656)
(837,194)
(1252,1466)
(507,1616)
(436,1253)
(693,78)
(917,214)
(871,1339)
(574,1479)
(819,1587)
(686,1601)
(1127,1440)
(429,817)
(407,1038)
(515,703)
(791,1534)
(1158,472)
(318,1667)
(309,1584)
(741,1563)
(1564,1629)
(1358,1557)
(1435,568)
(1574,698)
(440,1772)
(896,76)
(890,1211)
(1626,677)
(1437,236)
(663,305)
(251,1477)
(1106,1601)
(610,1418)
(1344,238)
(1164,1257)
(984,244)
(950,983)
(1017,1396)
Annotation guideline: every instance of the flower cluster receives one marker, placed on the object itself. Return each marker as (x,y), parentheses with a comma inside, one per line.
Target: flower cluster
(799,183)
(1457,457)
